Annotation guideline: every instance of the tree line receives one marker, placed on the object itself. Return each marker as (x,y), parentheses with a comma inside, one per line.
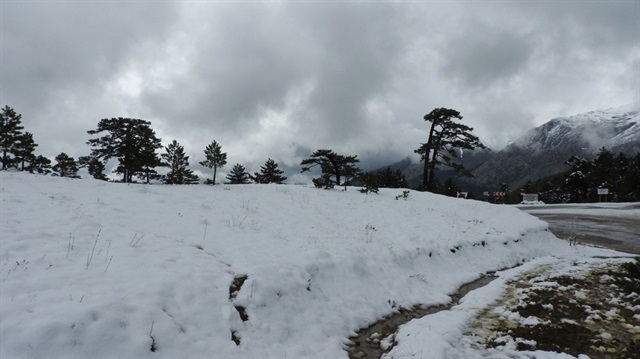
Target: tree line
(134,144)
(619,174)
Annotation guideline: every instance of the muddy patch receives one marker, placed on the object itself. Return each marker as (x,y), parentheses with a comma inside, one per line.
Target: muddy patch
(587,312)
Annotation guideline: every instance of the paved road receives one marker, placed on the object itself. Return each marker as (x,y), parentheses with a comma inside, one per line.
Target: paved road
(615,227)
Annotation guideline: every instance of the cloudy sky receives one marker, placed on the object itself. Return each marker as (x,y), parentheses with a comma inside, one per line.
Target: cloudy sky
(280,79)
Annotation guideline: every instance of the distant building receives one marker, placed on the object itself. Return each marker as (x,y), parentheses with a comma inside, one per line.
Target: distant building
(530,198)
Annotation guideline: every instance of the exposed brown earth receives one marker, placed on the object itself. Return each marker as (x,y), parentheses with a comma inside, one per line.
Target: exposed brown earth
(587,312)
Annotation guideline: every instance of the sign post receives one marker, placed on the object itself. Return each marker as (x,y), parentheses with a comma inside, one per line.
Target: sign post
(603,192)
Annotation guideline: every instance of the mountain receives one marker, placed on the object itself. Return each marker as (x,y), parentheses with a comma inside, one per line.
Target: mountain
(543,150)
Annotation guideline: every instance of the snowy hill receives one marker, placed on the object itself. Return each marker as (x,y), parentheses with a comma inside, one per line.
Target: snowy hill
(96,269)
(543,150)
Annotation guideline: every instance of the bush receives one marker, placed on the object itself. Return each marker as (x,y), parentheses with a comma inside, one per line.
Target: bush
(370,183)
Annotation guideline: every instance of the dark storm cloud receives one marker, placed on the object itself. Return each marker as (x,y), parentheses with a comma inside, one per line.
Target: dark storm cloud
(280,79)
(250,57)
(58,57)
(486,55)
(52,46)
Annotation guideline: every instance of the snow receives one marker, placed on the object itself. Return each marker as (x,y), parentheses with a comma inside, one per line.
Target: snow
(97,269)
(606,128)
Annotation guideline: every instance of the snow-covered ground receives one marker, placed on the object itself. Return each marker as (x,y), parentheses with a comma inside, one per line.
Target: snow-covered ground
(96,269)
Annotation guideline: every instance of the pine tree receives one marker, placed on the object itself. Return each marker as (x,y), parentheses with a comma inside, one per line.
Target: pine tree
(24,149)
(10,133)
(177,162)
(445,139)
(269,173)
(65,166)
(450,188)
(94,166)
(129,140)
(238,175)
(630,181)
(40,165)
(602,174)
(215,159)
(388,178)
(577,182)
(333,166)
(370,183)
(151,161)
(622,168)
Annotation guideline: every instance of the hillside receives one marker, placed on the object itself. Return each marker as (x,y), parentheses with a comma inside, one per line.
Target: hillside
(543,150)
(97,269)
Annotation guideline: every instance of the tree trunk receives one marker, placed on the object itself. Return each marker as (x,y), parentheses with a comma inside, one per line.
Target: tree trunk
(425,174)
(215,168)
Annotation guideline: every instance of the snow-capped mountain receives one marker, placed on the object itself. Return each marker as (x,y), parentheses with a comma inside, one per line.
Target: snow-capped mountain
(543,150)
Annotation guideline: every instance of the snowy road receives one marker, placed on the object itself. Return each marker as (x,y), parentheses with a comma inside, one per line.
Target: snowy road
(613,225)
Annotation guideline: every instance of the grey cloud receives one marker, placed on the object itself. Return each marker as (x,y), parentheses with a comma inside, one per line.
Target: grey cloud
(53,46)
(280,79)
(250,57)
(484,55)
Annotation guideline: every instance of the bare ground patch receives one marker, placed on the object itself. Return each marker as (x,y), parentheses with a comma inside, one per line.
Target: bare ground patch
(588,311)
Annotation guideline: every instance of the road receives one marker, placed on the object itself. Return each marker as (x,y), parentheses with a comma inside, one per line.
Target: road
(615,226)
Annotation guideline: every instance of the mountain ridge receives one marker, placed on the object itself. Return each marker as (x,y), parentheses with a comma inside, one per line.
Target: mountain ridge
(543,150)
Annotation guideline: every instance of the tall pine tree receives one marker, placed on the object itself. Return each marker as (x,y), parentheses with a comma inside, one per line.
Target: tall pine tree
(178,163)
(445,139)
(131,141)
(215,159)
(269,173)
(238,175)
(10,133)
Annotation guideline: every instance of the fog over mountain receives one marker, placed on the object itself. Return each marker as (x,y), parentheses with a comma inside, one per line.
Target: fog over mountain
(543,150)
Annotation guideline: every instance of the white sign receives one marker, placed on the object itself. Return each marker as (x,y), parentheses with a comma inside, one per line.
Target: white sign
(603,191)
